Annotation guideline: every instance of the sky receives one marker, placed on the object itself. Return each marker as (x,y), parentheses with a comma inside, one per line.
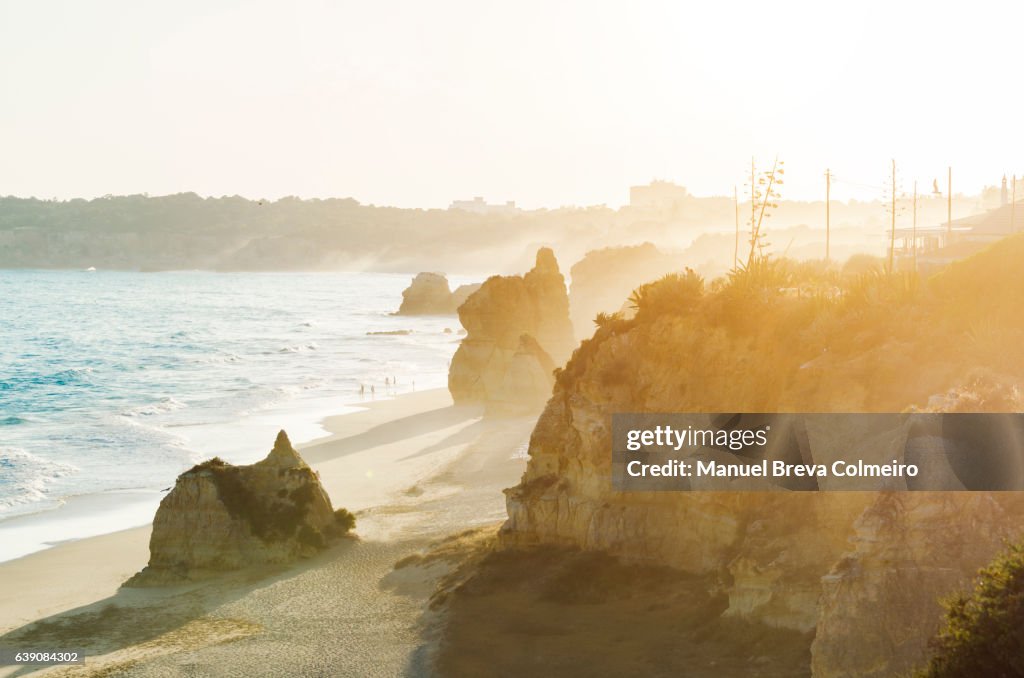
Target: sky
(553,103)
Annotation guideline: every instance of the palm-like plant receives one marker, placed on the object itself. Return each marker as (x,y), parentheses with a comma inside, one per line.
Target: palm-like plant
(672,294)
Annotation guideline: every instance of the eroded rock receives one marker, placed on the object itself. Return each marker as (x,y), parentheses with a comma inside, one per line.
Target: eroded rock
(221,517)
(429,294)
(518,331)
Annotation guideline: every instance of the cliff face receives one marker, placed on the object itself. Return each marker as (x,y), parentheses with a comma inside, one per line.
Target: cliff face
(847,564)
(769,549)
(545,286)
(517,331)
(429,294)
(221,517)
(881,602)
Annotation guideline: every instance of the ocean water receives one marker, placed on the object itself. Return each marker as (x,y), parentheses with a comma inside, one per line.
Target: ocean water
(112,383)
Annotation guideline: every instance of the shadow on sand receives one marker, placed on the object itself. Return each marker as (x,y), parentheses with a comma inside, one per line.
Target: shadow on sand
(179,616)
(391,432)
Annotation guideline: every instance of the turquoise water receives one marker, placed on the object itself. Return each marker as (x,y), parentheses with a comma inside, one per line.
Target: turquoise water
(114,381)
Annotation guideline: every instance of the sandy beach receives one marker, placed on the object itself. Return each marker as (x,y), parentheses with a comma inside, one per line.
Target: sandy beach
(414,470)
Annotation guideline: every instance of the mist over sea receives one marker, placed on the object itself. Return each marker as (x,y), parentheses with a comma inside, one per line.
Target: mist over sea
(115,382)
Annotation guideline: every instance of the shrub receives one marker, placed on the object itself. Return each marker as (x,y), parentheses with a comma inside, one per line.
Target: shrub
(983,633)
(881,290)
(762,274)
(675,293)
(858,264)
(612,322)
(302,495)
(311,537)
(270,521)
(344,521)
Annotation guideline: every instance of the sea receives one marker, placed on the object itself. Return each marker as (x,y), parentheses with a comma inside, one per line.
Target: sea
(113,383)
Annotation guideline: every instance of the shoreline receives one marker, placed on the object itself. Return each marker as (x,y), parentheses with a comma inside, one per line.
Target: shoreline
(94,514)
(413,468)
(98,506)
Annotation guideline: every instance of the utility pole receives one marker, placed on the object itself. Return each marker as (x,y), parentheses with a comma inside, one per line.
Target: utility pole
(892,237)
(828,215)
(949,204)
(736,245)
(1013,206)
(915,226)
(753,206)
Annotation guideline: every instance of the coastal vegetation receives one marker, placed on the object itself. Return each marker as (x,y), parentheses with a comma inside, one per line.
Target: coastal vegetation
(233,233)
(983,632)
(780,335)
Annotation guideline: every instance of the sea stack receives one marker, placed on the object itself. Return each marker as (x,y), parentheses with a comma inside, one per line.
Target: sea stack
(518,330)
(222,517)
(429,294)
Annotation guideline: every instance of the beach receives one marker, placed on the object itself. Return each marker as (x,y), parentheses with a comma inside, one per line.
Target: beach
(413,469)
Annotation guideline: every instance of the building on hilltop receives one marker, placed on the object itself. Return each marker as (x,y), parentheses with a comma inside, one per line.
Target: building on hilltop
(943,243)
(478,206)
(661,197)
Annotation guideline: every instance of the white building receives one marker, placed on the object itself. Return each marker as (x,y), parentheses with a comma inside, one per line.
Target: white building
(663,197)
(478,206)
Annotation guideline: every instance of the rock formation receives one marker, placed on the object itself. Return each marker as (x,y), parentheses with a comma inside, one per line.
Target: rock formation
(222,517)
(862,569)
(546,288)
(429,294)
(527,381)
(517,331)
(461,293)
(880,603)
(603,280)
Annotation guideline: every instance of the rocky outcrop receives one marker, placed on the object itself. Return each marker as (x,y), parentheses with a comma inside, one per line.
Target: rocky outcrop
(429,294)
(880,603)
(545,286)
(603,280)
(862,569)
(461,293)
(222,517)
(517,331)
(528,379)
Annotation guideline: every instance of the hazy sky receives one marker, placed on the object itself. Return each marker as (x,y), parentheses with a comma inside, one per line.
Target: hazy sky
(547,103)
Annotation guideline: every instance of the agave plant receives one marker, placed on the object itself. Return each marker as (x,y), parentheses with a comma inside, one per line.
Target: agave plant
(671,294)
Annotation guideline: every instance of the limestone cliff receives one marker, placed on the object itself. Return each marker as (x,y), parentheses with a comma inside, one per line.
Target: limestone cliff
(528,379)
(835,562)
(429,294)
(880,603)
(546,287)
(222,517)
(517,331)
